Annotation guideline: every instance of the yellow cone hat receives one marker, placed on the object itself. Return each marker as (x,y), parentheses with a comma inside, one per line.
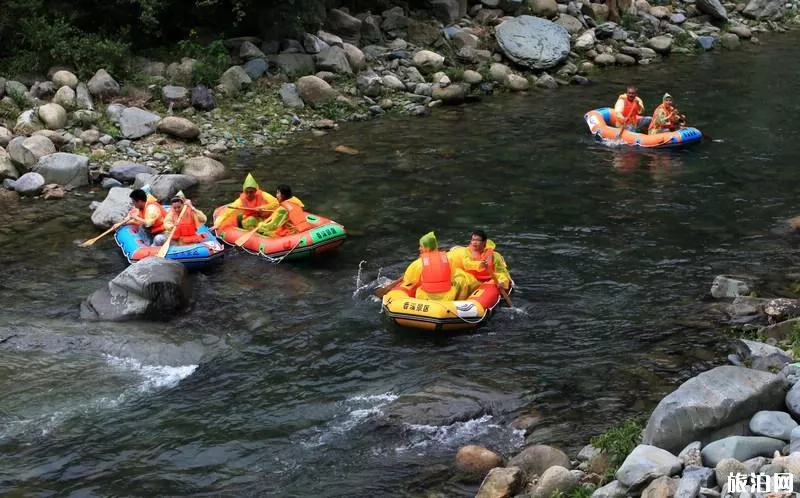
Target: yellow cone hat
(250,182)
(428,241)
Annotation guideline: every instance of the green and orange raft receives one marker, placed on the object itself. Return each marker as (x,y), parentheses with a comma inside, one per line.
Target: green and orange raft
(324,236)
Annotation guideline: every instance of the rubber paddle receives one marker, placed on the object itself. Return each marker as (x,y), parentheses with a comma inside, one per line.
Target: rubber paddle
(162,253)
(382,291)
(91,242)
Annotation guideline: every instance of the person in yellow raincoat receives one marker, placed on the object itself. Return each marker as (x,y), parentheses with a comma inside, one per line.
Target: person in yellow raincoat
(251,207)
(289,217)
(433,271)
(481,260)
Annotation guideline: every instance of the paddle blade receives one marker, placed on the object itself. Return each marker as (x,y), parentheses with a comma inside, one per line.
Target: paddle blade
(162,253)
(244,238)
(88,242)
(382,291)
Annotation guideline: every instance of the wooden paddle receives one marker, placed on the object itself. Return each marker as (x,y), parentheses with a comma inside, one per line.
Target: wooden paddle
(162,253)
(382,291)
(244,238)
(503,292)
(91,242)
(224,217)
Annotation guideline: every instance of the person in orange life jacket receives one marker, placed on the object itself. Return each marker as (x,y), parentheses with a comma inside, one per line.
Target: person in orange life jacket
(629,109)
(481,260)
(185,227)
(434,274)
(251,197)
(289,217)
(148,216)
(666,117)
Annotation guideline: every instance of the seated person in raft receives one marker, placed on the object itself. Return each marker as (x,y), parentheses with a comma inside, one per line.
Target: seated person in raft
(666,117)
(433,272)
(251,207)
(288,218)
(185,227)
(628,111)
(147,216)
(481,261)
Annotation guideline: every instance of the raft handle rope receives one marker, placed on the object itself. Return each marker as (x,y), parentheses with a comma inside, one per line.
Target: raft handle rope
(270,258)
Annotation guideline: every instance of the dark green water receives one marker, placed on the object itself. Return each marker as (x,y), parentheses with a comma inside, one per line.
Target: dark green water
(278,381)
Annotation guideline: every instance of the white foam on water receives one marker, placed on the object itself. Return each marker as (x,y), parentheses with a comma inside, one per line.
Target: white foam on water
(154,376)
(423,436)
(354,416)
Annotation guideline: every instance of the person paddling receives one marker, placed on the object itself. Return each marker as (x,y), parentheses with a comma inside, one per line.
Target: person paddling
(629,109)
(666,117)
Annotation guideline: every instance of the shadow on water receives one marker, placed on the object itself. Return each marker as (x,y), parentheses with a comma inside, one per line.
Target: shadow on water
(284,376)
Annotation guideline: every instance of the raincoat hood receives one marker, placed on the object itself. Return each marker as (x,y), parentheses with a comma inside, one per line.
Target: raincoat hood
(428,241)
(250,182)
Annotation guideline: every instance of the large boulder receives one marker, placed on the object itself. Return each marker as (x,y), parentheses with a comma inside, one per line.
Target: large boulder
(344,25)
(711,401)
(203,168)
(501,482)
(293,65)
(27,123)
(151,288)
(53,116)
(65,78)
(315,91)
(740,448)
(234,80)
(179,127)
(534,460)
(333,59)
(7,169)
(428,61)
(113,208)
(646,463)
(126,171)
(136,123)
(83,99)
(476,461)
(62,168)
(164,187)
(533,42)
(765,10)
(713,8)
(29,184)
(26,152)
(102,85)
(65,97)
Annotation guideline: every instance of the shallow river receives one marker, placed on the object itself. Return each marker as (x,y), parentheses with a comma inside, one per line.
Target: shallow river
(277,382)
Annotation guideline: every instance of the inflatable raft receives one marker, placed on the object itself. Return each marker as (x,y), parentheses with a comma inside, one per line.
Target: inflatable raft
(325,235)
(193,256)
(602,124)
(404,310)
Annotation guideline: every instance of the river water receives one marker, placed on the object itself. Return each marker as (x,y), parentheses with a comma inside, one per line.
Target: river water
(279,381)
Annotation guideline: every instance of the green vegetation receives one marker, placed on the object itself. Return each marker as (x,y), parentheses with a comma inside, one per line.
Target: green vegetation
(617,443)
(579,492)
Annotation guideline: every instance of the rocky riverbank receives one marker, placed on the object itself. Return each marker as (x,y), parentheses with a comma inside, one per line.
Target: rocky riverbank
(58,133)
(734,419)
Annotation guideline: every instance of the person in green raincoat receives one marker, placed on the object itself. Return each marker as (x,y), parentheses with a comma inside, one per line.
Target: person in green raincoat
(252,206)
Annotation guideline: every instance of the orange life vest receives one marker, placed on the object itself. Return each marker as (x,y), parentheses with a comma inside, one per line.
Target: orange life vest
(671,125)
(485,273)
(630,110)
(257,202)
(296,216)
(186,229)
(436,272)
(158,225)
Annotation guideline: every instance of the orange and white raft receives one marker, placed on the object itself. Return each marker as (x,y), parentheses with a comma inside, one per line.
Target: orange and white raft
(324,235)
(602,124)
(404,310)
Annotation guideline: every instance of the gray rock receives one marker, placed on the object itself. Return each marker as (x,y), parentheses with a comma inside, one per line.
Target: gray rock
(614,489)
(290,96)
(102,85)
(792,397)
(554,479)
(43,90)
(234,80)
(64,78)
(690,455)
(178,96)
(344,25)
(501,481)
(7,169)
(150,288)
(794,440)
(710,401)
(713,8)
(740,448)
(315,91)
(256,68)
(677,18)
(371,29)
(180,127)
(27,123)
(774,424)
(754,464)
(203,98)
(661,44)
(114,112)
(533,42)
(754,350)
(587,453)
(333,59)
(5,136)
(126,171)
(646,463)
(765,10)
(729,41)
(53,116)
(704,474)
(313,44)
(83,99)
(706,43)
(249,51)
(726,467)
(29,184)
(62,168)
(164,187)
(293,65)
(113,208)
(109,183)
(451,94)
(725,287)
(26,152)
(136,123)
(203,168)
(536,459)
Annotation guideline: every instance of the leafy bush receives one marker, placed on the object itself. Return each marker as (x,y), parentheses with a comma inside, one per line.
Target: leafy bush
(617,443)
